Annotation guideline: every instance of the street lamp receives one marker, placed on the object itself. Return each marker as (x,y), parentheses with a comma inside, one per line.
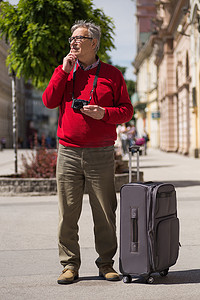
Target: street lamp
(14,119)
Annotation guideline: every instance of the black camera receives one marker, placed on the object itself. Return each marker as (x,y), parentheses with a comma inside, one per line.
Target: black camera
(79,103)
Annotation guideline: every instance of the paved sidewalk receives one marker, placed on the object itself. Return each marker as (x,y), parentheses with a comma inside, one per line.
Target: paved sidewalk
(7,160)
(28,242)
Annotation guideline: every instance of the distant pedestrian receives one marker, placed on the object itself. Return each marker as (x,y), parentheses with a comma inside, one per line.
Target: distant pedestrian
(131,134)
(93,99)
(3,142)
(123,137)
(146,138)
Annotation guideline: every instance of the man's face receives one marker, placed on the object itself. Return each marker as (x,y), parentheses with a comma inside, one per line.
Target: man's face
(82,48)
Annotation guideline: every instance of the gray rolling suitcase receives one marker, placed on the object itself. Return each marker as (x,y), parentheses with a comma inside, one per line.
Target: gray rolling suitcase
(149,228)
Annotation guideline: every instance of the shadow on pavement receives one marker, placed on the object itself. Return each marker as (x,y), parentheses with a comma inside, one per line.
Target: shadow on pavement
(184,183)
(180,183)
(90,278)
(155,167)
(175,277)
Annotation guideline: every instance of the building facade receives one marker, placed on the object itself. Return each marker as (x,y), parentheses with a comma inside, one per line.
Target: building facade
(6,130)
(32,116)
(145,100)
(174,80)
(175,54)
(146,106)
(194,19)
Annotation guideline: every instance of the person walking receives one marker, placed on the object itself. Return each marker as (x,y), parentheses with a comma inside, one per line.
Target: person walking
(131,134)
(92,98)
(123,138)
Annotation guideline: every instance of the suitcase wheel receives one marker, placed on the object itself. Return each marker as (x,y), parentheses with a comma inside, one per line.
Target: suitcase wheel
(127,279)
(150,280)
(164,272)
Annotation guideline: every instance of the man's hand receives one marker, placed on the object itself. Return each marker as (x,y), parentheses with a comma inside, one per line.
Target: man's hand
(68,62)
(93,111)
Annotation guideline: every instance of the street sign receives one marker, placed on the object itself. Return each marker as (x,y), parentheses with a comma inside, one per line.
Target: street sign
(155,115)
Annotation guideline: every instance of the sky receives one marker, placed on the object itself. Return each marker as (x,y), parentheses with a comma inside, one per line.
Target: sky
(123,14)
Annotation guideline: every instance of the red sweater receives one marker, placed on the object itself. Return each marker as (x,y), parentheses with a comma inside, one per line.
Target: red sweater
(76,129)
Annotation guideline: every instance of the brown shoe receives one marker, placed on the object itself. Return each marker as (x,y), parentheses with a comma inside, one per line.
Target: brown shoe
(67,276)
(109,273)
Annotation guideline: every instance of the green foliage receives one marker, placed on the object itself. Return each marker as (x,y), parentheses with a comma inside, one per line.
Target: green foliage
(130,87)
(38,32)
(41,163)
(107,31)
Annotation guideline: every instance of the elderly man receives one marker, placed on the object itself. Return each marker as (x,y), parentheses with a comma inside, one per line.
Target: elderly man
(92,98)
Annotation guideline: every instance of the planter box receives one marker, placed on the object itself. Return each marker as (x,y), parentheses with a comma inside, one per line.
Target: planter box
(121,179)
(46,186)
(33,186)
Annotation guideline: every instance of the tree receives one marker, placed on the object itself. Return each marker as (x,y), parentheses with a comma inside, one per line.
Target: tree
(130,87)
(38,32)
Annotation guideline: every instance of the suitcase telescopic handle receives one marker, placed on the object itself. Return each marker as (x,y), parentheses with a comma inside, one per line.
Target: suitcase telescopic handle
(132,149)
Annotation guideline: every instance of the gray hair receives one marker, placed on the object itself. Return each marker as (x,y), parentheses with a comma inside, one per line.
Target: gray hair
(93,30)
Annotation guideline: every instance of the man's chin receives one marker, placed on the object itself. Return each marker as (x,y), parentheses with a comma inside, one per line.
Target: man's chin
(73,51)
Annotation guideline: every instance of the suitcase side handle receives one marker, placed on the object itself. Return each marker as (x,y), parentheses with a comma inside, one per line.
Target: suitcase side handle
(134,219)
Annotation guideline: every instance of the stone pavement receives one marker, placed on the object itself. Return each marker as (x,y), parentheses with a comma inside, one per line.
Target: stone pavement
(28,242)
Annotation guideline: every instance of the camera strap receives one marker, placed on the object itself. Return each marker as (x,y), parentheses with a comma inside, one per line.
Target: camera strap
(94,82)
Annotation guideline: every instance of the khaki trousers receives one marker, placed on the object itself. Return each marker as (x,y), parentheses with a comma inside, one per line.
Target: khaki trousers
(95,167)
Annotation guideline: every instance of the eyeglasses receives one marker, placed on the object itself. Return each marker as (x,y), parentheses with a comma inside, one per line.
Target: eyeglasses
(78,38)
